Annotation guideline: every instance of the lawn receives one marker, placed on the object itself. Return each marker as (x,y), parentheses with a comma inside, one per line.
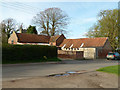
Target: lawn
(111,69)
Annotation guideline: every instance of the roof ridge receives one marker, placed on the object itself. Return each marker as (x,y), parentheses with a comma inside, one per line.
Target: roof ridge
(87,38)
(88,42)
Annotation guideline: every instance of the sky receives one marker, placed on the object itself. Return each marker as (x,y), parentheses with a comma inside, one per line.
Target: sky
(83,15)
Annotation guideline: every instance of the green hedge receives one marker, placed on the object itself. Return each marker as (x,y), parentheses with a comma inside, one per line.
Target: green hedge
(11,53)
(118,51)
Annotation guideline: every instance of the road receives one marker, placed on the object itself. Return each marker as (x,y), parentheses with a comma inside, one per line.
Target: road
(11,72)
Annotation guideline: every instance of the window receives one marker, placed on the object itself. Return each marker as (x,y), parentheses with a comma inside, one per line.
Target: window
(82,45)
(71,46)
(12,41)
(116,54)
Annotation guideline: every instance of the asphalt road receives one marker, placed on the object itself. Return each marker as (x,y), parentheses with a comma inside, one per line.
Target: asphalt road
(11,72)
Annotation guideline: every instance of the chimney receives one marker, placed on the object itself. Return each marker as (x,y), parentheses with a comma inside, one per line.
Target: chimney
(21,28)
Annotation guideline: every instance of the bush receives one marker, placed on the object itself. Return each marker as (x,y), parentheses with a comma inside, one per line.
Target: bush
(11,53)
(118,51)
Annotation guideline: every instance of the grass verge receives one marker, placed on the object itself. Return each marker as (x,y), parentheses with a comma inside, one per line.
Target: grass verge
(111,69)
(32,61)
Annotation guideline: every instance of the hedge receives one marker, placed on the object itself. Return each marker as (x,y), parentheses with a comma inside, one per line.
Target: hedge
(119,50)
(11,53)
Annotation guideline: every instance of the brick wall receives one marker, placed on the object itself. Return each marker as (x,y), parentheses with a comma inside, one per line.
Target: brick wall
(13,37)
(52,43)
(80,55)
(102,53)
(107,45)
(70,54)
(60,40)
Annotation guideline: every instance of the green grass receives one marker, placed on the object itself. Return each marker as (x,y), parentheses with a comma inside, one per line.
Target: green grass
(32,61)
(111,69)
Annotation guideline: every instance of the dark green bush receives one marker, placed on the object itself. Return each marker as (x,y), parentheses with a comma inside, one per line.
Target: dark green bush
(11,53)
(118,51)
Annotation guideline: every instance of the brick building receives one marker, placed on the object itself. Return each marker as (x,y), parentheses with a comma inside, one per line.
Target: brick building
(88,48)
(91,47)
(24,38)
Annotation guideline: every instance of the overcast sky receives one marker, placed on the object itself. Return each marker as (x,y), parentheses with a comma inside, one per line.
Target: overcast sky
(82,14)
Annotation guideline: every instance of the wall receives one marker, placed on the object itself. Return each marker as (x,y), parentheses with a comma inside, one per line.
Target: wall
(52,43)
(107,45)
(60,40)
(103,52)
(70,54)
(89,53)
(13,37)
(33,43)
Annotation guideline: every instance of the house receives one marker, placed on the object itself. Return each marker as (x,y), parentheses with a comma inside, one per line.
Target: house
(91,47)
(24,38)
(88,48)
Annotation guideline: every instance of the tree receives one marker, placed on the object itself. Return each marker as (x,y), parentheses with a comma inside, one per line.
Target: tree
(7,26)
(31,30)
(51,21)
(21,28)
(3,36)
(106,26)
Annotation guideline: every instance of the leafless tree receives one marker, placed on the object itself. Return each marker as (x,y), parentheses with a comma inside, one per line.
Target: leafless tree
(51,21)
(7,26)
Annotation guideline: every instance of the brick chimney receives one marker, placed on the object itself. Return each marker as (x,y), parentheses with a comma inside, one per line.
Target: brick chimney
(21,28)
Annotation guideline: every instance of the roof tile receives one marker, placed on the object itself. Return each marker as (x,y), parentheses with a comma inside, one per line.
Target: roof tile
(32,38)
(88,42)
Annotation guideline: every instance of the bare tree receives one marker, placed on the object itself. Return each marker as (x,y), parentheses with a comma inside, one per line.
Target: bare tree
(51,21)
(7,26)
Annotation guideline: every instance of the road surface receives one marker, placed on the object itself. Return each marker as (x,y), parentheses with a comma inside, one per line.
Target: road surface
(11,72)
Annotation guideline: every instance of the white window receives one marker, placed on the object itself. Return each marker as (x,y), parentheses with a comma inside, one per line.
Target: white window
(71,46)
(63,46)
(82,45)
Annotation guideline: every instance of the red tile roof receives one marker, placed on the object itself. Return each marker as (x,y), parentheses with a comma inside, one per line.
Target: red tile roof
(87,42)
(32,38)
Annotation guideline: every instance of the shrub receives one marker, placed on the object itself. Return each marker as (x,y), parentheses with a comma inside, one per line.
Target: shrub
(27,52)
(119,51)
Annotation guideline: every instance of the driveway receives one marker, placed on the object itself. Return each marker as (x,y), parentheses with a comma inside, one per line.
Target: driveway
(11,72)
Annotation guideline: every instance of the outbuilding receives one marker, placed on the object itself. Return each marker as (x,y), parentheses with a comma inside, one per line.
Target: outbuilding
(92,48)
